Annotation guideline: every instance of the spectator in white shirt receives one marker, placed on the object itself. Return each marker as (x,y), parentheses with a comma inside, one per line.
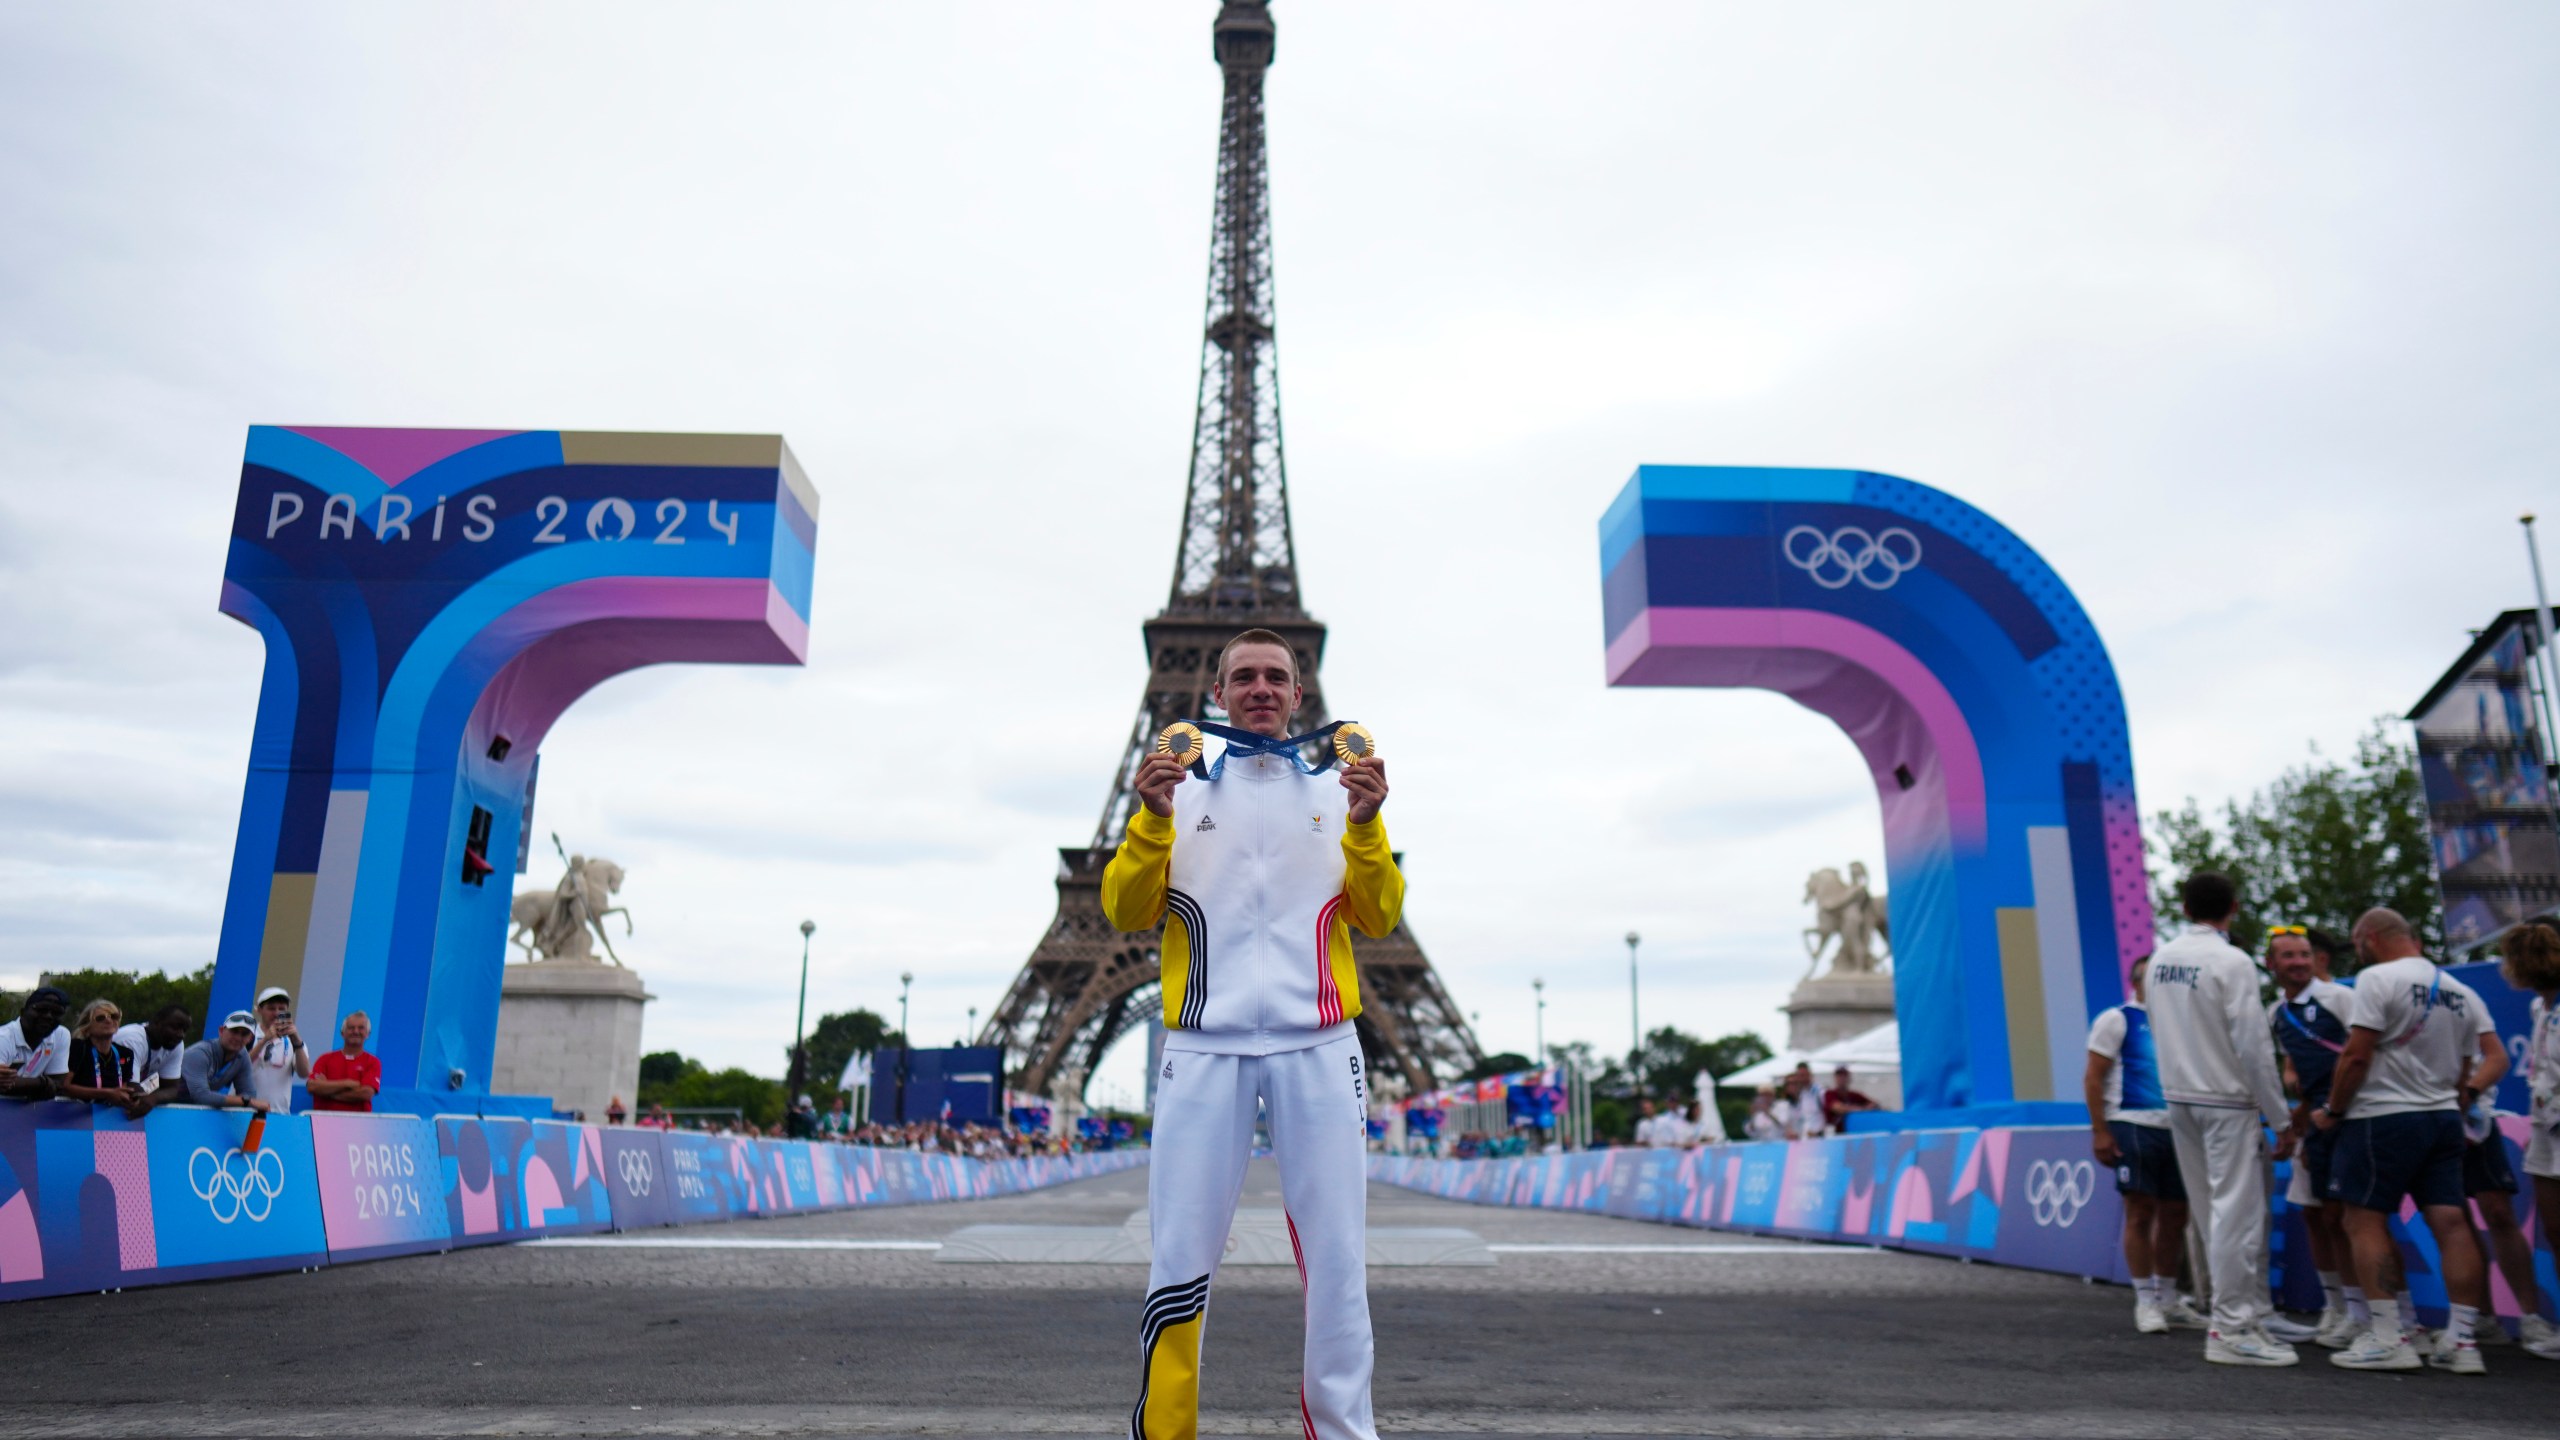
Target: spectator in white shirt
(279,1058)
(1763,1122)
(1800,1105)
(35,1048)
(159,1048)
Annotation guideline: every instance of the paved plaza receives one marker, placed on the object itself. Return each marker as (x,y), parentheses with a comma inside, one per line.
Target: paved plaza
(848,1324)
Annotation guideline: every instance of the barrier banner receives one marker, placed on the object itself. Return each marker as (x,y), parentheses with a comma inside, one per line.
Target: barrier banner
(790,1175)
(2061,1211)
(510,1179)
(712,1177)
(381,1185)
(217,1209)
(636,1179)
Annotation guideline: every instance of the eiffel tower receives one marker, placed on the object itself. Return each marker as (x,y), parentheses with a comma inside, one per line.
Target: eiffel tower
(1086,984)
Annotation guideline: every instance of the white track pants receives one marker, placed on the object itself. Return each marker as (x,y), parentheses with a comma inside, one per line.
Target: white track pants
(1318,1100)
(2222,1158)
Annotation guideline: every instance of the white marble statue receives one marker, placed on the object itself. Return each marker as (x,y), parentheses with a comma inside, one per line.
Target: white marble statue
(1846,911)
(564,922)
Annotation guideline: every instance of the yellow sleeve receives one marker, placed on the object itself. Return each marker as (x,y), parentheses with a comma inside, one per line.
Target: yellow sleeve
(1133,884)
(1370,879)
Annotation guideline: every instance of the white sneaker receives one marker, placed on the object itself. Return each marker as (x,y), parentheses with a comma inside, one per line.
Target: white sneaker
(2148,1320)
(2539,1337)
(2292,1332)
(2462,1359)
(2369,1353)
(2248,1347)
(2181,1315)
(2338,1330)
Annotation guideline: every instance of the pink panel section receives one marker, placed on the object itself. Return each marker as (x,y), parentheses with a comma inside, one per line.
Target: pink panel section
(395,455)
(1882,687)
(479,1208)
(21,1252)
(541,1192)
(124,1157)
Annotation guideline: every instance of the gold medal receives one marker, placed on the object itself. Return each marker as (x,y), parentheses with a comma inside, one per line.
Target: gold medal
(1353,742)
(1181,740)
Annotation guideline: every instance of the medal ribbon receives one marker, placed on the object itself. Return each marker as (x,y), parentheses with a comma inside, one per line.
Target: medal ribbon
(1247,743)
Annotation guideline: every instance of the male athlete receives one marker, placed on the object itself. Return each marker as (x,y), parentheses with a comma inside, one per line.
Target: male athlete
(2310,1024)
(1258,872)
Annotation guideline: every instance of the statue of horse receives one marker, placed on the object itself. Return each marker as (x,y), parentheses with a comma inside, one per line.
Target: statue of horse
(562,923)
(1845,911)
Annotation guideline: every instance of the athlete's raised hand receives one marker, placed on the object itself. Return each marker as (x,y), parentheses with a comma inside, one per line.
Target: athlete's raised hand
(1367,782)
(1157,775)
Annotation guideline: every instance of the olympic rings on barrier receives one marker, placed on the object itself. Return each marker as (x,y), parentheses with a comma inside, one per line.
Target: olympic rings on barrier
(2058,1189)
(639,1172)
(231,1191)
(1850,553)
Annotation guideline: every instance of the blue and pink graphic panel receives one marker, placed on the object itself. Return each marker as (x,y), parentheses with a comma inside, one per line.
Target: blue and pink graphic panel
(432,601)
(381,1183)
(1988,715)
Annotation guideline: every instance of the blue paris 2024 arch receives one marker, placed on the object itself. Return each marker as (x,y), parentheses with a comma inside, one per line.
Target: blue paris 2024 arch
(1983,703)
(431,601)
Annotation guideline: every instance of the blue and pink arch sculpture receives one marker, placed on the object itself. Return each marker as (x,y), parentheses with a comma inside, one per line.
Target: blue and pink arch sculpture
(1987,712)
(431,601)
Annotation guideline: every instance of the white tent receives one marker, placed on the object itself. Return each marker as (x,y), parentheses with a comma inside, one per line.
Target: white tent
(1874,1060)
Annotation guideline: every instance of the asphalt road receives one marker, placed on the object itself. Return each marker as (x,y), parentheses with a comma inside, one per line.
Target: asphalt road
(1742,1338)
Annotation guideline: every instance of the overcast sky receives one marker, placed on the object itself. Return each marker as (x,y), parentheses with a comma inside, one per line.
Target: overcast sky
(2243,316)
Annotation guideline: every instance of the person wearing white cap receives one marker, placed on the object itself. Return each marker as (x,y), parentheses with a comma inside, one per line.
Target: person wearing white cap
(279,1058)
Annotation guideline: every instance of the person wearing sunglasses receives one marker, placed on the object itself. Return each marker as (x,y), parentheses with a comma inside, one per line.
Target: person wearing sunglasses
(2309,1020)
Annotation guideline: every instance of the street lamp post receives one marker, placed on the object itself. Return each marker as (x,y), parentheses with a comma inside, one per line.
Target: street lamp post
(800,1022)
(970,1035)
(1540,986)
(906,982)
(1635,1013)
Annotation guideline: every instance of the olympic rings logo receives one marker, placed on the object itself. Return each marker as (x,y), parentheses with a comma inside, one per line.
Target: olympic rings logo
(1850,553)
(639,1173)
(2058,1189)
(234,1185)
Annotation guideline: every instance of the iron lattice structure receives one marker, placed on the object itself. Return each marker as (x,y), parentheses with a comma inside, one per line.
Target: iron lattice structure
(1236,568)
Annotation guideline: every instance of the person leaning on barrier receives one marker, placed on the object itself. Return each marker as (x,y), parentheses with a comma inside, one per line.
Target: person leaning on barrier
(1843,1100)
(159,1047)
(217,1067)
(1763,1122)
(35,1049)
(102,1070)
(2420,1048)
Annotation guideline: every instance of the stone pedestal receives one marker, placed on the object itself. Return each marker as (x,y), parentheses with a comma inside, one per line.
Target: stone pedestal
(1834,1007)
(570,1029)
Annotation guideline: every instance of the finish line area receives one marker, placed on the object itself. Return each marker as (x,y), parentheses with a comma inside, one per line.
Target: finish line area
(851,1323)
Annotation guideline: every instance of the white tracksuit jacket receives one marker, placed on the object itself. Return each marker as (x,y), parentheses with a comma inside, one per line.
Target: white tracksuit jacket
(1258,878)
(2210,1028)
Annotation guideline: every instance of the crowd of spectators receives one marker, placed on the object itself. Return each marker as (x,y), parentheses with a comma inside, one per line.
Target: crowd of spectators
(250,1061)
(255,1057)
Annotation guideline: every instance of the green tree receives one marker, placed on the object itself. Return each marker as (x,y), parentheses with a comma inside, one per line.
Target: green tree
(2324,843)
(663,1068)
(140,995)
(835,1040)
(1502,1064)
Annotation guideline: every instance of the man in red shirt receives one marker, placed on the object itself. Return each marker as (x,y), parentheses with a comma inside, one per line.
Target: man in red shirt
(1840,1102)
(347,1078)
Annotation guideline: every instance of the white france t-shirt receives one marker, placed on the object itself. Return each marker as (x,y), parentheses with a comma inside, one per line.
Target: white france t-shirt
(2429,1026)
(150,1067)
(49,1056)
